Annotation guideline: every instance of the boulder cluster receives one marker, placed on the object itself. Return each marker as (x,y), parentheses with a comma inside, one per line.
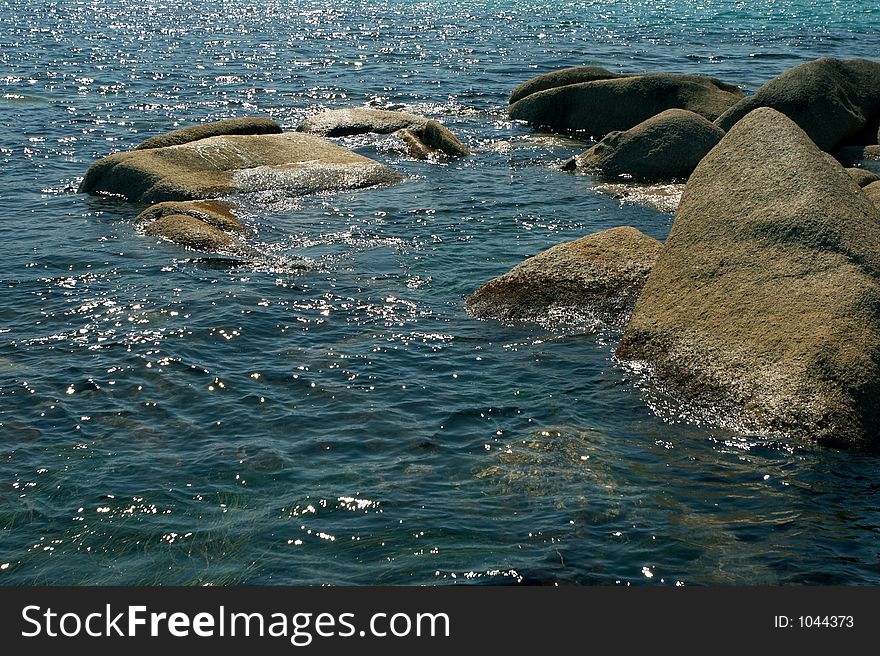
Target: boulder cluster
(762,308)
(184,175)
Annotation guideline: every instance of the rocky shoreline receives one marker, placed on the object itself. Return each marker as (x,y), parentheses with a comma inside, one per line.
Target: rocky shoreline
(763,304)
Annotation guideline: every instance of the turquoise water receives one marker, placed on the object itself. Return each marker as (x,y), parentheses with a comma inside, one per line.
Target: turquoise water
(167,418)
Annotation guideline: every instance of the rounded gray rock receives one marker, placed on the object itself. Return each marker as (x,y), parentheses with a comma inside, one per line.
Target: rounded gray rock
(667,146)
(830,99)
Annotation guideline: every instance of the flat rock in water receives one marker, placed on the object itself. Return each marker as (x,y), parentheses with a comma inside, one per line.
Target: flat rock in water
(667,146)
(830,99)
(359,120)
(598,276)
(246,125)
(603,106)
(561,78)
(217,166)
(761,309)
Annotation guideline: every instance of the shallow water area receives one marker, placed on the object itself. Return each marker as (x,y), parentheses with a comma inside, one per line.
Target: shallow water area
(328,413)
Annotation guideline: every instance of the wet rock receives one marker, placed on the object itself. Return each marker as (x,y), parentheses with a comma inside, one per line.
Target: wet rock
(664,147)
(762,308)
(213,212)
(599,276)
(359,120)
(189,231)
(246,125)
(432,139)
(830,99)
(862,177)
(603,106)
(217,166)
(561,78)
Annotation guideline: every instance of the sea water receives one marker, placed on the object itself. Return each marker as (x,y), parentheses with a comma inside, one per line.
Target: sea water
(328,413)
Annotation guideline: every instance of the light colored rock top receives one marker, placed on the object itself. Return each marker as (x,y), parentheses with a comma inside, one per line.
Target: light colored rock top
(245,125)
(359,120)
(217,166)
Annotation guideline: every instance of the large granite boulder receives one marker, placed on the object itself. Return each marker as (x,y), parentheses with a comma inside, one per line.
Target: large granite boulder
(217,166)
(763,308)
(664,147)
(603,106)
(359,120)
(561,78)
(599,276)
(245,125)
(830,99)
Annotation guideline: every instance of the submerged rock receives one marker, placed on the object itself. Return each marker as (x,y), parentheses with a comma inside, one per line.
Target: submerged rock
(222,165)
(599,275)
(561,78)
(762,307)
(432,139)
(603,106)
(246,125)
(359,120)
(664,147)
(862,177)
(830,99)
(215,213)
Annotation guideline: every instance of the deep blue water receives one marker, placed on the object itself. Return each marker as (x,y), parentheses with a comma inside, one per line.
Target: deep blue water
(170,419)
